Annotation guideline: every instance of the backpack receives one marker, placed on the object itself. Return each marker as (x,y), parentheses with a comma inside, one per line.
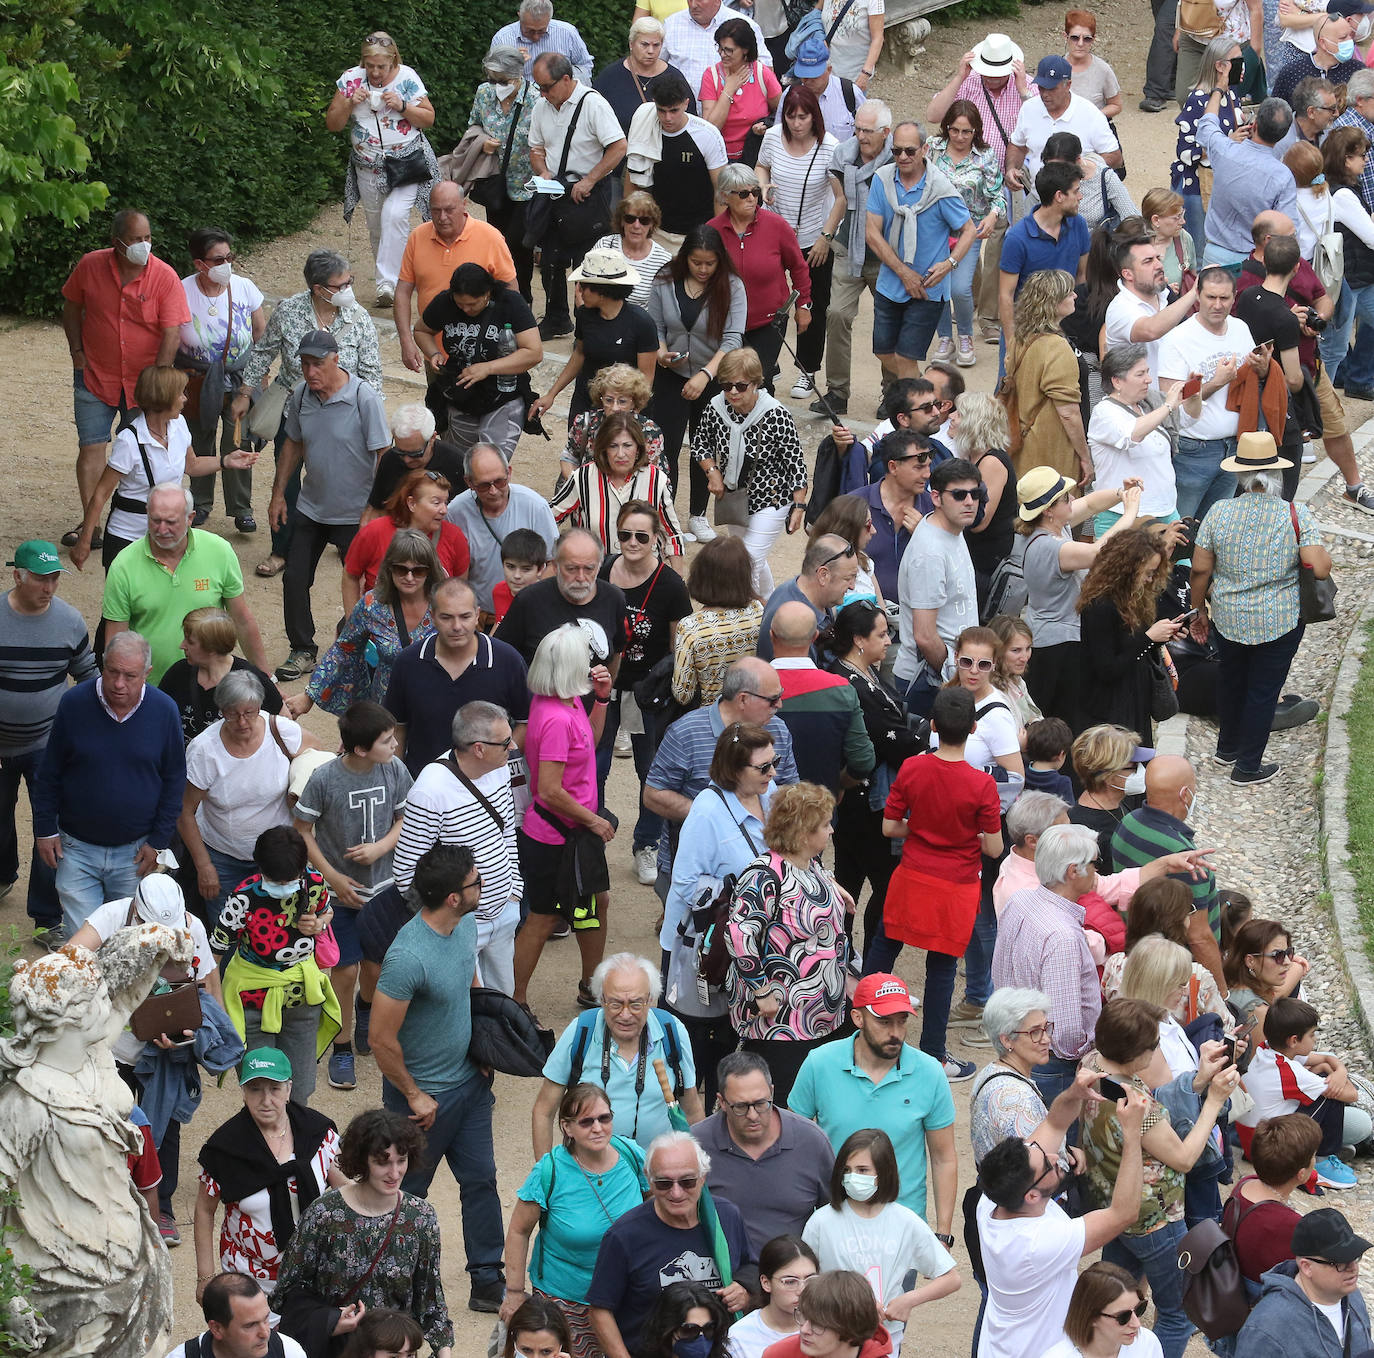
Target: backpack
(1213,1287)
(548,1172)
(1328,259)
(1007,591)
(672,1049)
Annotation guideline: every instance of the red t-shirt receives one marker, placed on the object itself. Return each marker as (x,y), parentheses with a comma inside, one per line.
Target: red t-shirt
(501,600)
(946,804)
(1265,1235)
(373,538)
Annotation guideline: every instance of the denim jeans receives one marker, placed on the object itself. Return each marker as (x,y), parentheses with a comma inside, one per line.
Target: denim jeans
(978,958)
(1249,682)
(961,295)
(1198,477)
(88,875)
(43,906)
(461,1133)
(1156,1256)
(1359,364)
(231,872)
(1054,1077)
(941,970)
(1335,339)
(1195,220)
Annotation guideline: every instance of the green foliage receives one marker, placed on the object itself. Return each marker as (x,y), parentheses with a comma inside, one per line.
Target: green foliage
(977,9)
(205,114)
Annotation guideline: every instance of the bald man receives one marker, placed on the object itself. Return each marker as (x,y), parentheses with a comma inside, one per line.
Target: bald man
(821,709)
(829,570)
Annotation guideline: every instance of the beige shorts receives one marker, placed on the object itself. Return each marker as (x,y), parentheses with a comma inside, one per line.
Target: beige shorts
(1333,412)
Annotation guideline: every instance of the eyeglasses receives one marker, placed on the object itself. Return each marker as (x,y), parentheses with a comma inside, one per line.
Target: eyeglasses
(1037,1034)
(635,1006)
(221,259)
(746,193)
(398,568)
(596,1120)
(502,744)
(735,386)
(634,535)
(766,767)
(474,885)
(1353,1266)
(741,1110)
(1124,1317)
(686,1183)
(791,1280)
(967,662)
(962,493)
(500,483)
(411,452)
(544,89)
(848,551)
(1278,954)
(642,221)
(690,1330)
(772,700)
(906,150)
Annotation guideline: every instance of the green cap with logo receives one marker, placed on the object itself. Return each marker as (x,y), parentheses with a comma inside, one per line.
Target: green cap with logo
(38,558)
(267,1063)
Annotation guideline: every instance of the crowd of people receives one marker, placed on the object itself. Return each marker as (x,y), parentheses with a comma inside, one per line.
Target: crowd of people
(938,734)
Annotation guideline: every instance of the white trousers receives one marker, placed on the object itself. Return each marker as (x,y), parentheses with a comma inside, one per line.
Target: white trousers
(388,222)
(496,949)
(759,536)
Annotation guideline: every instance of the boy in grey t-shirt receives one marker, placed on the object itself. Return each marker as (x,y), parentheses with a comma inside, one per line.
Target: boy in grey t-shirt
(350,816)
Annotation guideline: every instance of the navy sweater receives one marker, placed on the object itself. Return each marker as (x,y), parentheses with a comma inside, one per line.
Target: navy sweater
(106,782)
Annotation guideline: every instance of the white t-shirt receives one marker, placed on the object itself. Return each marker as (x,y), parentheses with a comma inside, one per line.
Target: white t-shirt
(1116,455)
(1034,127)
(1333,1312)
(1125,310)
(1279,1085)
(1031,1265)
(887,1249)
(203,334)
(1145,1346)
(243,797)
(750,1336)
(168,464)
(801,183)
(849,46)
(1190,349)
(290,1348)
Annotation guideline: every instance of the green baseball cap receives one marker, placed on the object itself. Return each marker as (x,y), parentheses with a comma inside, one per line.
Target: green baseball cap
(37,557)
(267,1063)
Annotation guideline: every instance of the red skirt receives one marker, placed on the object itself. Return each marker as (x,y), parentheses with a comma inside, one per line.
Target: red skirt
(929,912)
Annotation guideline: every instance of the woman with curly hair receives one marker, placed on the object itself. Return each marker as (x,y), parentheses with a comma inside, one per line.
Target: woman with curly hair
(366,1245)
(617,389)
(1042,373)
(1119,631)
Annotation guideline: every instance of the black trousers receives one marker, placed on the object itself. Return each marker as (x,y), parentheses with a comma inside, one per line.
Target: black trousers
(1053,679)
(308,541)
(766,341)
(811,345)
(678,417)
(1161,61)
(509,220)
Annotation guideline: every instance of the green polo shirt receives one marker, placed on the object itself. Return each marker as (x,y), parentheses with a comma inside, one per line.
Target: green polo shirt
(142,593)
(912,1099)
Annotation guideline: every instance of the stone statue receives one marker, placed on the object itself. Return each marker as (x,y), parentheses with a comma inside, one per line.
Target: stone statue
(102,1279)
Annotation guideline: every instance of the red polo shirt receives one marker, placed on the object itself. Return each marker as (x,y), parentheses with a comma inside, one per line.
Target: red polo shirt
(122,324)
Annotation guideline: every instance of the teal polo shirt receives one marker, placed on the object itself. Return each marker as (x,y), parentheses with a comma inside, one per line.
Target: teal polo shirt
(912,1099)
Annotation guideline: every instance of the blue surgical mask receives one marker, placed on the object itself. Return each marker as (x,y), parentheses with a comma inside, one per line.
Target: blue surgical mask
(1345,49)
(700,1347)
(279,891)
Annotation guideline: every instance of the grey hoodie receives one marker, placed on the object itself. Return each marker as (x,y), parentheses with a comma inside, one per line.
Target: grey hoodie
(1285,1324)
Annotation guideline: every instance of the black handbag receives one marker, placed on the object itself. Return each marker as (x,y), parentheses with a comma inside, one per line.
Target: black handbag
(1316,598)
(490,191)
(407,167)
(1163,696)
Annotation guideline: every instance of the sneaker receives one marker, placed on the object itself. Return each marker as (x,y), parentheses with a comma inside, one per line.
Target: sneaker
(992,332)
(646,864)
(1332,1173)
(1260,775)
(966,358)
(957,1071)
(804,386)
(341,1070)
(700,529)
(945,348)
(167,1229)
(964,1013)
(1308,453)
(55,936)
(1294,714)
(487,1296)
(1151,105)
(973,1037)
(385,296)
(1359,393)
(1361,498)
(553,327)
(836,405)
(622,748)
(362,1023)
(562,929)
(1224,761)
(296,666)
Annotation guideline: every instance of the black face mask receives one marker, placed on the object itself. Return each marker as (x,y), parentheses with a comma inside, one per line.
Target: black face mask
(1237,75)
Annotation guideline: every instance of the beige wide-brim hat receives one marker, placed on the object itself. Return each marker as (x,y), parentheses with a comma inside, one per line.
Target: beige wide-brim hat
(1256,453)
(1038,489)
(995,54)
(604,266)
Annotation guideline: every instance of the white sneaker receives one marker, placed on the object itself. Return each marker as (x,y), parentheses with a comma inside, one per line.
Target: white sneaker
(966,357)
(646,864)
(805,385)
(945,347)
(622,748)
(1309,454)
(700,529)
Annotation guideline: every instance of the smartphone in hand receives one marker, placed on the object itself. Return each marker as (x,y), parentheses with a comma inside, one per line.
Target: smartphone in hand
(1111,1089)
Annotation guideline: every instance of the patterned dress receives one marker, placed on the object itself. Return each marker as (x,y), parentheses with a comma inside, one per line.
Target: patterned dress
(334,1245)
(262,930)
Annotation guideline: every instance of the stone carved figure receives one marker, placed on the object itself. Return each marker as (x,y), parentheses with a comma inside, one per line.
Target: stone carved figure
(102,1279)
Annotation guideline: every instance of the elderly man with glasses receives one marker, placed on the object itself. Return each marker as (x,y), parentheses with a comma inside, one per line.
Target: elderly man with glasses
(829,570)
(615,1046)
(664,1241)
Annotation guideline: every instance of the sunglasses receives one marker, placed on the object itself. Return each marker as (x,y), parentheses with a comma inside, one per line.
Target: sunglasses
(961,494)
(924,408)
(746,193)
(967,662)
(906,150)
(634,535)
(766,767)
(735,386)
(1278,954)
(499,484)
(848,551)
(596,1120)
(1124,1317)
(221,259)
(772,700)
(642,221)
(399,569)
(922,458)
(686,1183)
(690,1330)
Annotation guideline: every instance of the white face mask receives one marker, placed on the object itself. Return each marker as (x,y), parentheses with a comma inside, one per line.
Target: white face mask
(279,891)
(503,91)
(1135,784)
(1193,799)
(1365,28)
(139,253)
(220,273)
(343,297)
(860,1187)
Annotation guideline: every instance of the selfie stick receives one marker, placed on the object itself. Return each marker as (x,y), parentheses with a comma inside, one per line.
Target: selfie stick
(780,325)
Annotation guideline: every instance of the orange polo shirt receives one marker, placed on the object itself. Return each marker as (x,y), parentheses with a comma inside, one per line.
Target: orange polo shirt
(429,263)
(122,324)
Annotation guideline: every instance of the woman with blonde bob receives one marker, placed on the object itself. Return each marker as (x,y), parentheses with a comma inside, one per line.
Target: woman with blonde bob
(1042,371)
(208,638)
(1103,757)
(1104,1317)
(787,942)
(1164,215)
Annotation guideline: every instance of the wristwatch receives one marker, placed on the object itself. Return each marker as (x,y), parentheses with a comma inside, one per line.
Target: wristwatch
(946,1240)
(828,235)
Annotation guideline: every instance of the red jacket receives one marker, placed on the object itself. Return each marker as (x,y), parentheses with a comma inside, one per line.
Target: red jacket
(765,258)
(1102,916)
(877,1347)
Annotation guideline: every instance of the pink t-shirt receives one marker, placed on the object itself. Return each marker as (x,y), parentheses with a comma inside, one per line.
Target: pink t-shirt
(561,733)
(750,104)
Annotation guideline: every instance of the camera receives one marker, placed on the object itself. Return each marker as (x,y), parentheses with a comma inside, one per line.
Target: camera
(1314,322)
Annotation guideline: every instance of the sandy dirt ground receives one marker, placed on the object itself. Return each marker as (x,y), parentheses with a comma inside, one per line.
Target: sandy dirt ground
(35,407)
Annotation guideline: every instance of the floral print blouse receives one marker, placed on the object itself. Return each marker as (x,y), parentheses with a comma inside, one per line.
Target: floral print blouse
(772,449)
(487,112)
(358,664)
(334,1245)
(708,643)
(1189,153)
(978,177)
(786,935)
(353,329)
(372,133)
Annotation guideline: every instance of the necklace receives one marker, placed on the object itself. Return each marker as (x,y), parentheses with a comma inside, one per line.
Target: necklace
(1114,811)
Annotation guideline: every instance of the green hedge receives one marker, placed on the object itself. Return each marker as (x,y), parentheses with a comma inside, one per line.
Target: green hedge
(219,117)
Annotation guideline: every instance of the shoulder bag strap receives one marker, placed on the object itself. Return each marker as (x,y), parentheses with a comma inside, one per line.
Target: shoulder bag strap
(996,117)
(510,132)
(402,631)
(276,735)
(806,180)
(376,1258)
(568,140)
(739,824)
(147,462)
(451,765)
(1297,533)
(228,337)
(1178,251)
(839,19)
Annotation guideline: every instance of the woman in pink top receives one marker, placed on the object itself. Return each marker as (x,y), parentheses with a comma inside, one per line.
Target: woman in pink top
(560,749)
(739,93)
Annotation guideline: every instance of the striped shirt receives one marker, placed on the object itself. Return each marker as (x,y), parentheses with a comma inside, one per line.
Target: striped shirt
(441,810)
(588,499)
(1147,834)
(38,652)
(801,183)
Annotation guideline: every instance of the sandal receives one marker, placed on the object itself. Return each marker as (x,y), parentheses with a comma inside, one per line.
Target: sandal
(273,565)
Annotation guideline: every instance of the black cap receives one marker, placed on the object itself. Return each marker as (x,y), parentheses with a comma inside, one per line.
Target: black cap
(1326,1234)
(316,344)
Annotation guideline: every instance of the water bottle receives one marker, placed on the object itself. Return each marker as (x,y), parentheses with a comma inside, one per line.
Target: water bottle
(506,382)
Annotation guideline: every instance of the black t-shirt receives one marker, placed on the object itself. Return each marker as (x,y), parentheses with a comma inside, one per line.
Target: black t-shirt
(682,184)
(197,705)
(444,458)
(475,339)
(620,340)
(541,609)
(625,93)
(1269,318)
(650,609)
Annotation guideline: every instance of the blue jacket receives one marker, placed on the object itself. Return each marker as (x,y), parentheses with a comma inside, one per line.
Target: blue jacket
(1285,1324)
(170,1079)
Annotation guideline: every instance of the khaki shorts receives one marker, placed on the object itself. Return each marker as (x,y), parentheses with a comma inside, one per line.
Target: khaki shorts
(1333,412)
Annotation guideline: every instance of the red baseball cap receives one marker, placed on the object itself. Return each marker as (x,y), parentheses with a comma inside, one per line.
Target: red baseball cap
(883,994)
